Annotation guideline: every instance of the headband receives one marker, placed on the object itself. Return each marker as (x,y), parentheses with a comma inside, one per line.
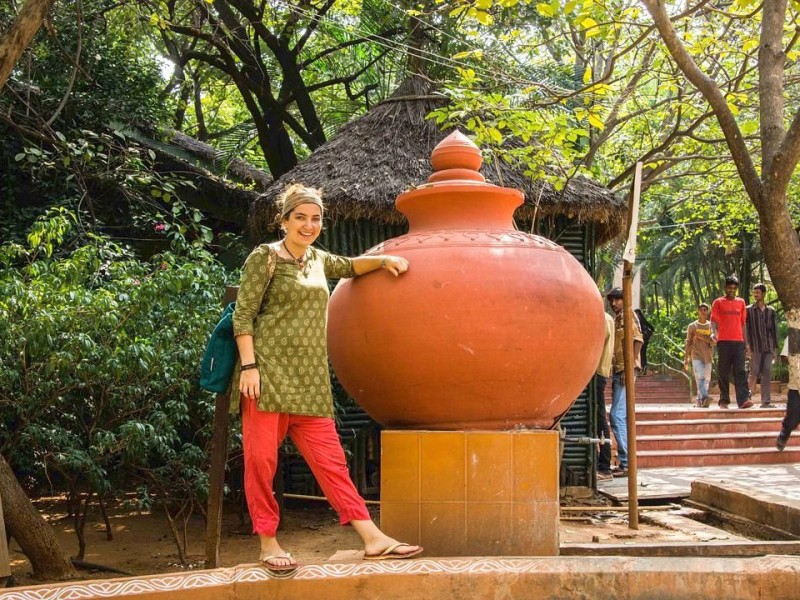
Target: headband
(297,197)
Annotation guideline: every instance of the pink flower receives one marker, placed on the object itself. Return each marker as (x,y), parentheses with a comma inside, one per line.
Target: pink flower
(160,227)
(136,282)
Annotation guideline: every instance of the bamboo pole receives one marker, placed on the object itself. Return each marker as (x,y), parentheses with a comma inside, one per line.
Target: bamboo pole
(323,498)
(216,468)
(629,258)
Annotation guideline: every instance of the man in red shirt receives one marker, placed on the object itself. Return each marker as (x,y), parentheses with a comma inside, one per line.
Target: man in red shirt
(728,330)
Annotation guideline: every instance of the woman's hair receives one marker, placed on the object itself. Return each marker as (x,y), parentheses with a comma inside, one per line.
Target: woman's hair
(293,196)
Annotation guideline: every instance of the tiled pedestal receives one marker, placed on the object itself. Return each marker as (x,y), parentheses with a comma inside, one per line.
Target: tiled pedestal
(472,493)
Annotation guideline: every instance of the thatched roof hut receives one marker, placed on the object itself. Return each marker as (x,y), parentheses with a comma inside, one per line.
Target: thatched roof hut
(374,158)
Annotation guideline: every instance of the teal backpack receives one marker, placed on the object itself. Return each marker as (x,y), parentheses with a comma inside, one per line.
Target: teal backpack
(221,354)
(219,359)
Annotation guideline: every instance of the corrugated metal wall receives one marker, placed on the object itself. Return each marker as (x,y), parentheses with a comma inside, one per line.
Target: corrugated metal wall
(578,460)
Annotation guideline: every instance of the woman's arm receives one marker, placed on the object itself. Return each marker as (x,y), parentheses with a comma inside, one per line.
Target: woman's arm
(244,343)
(249,379)
(366,264)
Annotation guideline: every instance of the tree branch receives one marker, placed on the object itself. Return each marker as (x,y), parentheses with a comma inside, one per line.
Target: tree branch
(770,81)
(345,80)
(75,68)
(370,38)
(315,19)
(25,26)
(713,96)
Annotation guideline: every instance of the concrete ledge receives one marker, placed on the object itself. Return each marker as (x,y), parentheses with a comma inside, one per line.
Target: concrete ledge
(715,548)
(756,505)
(594,578)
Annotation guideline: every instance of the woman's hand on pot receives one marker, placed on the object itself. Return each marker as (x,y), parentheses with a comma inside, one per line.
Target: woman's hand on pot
(395,264)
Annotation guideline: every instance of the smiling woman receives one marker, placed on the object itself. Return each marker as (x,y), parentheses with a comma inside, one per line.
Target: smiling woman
(283,380)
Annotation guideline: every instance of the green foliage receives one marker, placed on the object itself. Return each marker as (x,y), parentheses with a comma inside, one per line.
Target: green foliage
(99,354)
(113,68)
(613,96)
(112,185)
(294,71)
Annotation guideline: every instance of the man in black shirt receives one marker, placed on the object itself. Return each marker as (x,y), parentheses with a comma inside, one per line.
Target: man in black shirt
(762,342)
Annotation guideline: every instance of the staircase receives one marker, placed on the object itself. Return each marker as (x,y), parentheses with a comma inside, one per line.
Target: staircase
(670,432)
(658,389)
(666,437)
(662,389)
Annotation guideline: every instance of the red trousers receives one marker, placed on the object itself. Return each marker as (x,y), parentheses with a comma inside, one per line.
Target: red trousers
(318,442)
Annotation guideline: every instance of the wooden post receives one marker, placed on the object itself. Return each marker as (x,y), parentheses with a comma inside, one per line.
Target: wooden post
(5,562)
(629,258)
(216,469)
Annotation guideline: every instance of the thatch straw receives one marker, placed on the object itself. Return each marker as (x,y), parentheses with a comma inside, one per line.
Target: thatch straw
(374,158)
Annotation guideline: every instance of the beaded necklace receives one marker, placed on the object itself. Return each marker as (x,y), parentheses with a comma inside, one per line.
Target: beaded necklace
(299,261)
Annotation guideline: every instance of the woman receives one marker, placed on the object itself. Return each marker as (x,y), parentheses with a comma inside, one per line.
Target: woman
(283,379)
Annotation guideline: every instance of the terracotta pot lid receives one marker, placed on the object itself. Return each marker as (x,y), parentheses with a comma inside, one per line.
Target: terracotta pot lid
(456,158)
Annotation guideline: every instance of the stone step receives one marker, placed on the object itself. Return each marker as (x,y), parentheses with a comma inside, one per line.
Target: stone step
(683,399)
(696,414)
(760,506)
(658,387)
(707,426)
(672,395)
(709,458)
(706,441)
(649,392)
(650,400)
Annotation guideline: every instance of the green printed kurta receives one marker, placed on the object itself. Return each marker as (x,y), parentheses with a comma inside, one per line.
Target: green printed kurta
(288,325)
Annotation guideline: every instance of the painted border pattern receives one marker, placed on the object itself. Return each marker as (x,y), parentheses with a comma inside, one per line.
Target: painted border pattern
(172,582)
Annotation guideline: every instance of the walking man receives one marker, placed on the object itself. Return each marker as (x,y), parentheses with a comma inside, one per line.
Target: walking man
(699,353)
(728,330)
(792,418)
(600,380)
(619,416)
(762,342)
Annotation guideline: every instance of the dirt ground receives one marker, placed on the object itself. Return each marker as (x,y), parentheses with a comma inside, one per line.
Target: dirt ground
(142,543)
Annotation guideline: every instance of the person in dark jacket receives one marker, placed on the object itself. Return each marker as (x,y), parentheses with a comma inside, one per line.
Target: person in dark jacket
(647,332)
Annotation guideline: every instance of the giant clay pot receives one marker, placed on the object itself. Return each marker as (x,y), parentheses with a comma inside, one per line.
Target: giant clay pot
(490,328)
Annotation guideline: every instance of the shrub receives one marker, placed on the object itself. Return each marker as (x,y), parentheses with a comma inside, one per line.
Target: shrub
(99,354)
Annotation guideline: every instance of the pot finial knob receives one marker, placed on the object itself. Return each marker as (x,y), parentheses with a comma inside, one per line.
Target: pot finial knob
(456,157)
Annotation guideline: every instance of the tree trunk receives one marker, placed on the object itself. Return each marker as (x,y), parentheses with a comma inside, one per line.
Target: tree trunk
(20,35)
(34,535)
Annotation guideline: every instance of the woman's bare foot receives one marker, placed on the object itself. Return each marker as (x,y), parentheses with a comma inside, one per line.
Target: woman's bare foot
(379,546)
(274,557)
(392,550)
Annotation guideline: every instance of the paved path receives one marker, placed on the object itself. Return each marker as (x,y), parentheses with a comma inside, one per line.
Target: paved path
(782,480)
(676,482)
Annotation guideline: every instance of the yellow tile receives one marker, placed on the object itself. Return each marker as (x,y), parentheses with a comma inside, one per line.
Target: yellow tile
(400,520)
(489,529)
(489,466)
(535,466)
(535,528)
(442,474)
(443,528)
(400,466)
